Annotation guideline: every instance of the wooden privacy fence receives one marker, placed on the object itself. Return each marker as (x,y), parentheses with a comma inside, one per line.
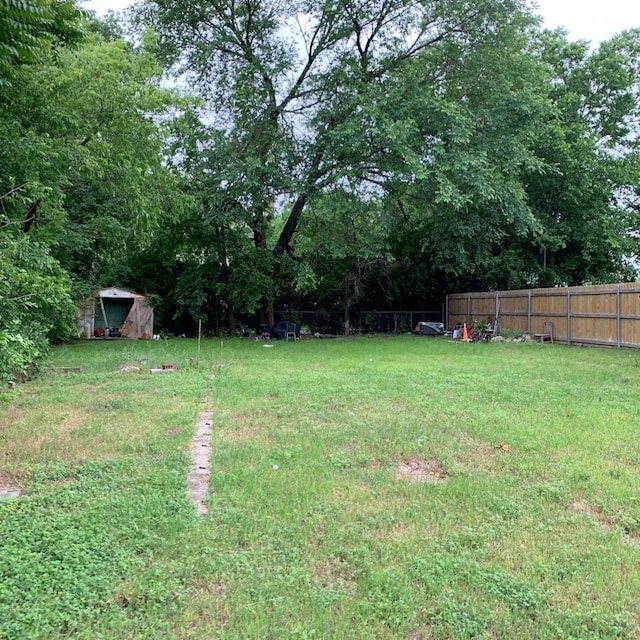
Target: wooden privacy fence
(607,315)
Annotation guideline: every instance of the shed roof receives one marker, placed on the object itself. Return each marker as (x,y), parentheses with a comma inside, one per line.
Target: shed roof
(114,292)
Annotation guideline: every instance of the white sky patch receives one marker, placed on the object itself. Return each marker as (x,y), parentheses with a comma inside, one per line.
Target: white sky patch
(592,20)
(101,7)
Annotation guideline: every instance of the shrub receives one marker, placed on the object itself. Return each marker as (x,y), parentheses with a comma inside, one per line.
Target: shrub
(35,306)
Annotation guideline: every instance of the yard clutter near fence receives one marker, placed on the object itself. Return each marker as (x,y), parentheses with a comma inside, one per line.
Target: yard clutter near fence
(602,315)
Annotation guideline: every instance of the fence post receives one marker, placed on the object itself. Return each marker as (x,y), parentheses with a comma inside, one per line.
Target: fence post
(568,317)
(529,312)
(468,307)
(446,312)
(618,324)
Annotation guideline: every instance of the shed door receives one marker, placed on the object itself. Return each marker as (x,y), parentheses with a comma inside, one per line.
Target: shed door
(139,322)
(116,310)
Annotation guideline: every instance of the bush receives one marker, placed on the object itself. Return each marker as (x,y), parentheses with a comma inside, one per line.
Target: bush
(35,306)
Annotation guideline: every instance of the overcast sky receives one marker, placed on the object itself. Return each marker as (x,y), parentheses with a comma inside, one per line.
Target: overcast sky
(593,20)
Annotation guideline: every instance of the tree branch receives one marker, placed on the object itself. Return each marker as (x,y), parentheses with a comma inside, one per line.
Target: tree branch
(14,190)
(30,216)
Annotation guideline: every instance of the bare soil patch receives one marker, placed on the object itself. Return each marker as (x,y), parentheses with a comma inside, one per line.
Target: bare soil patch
(421,471)
(333,573)
(606,521)
(10,485)
(128,368)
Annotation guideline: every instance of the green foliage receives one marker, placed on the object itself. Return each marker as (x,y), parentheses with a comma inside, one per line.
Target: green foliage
(53,554)
(363,105)
(582,199)
(35,306)
(343,245)
(86,155)
(402,151)
(84,178)
(493,154)
(30,28)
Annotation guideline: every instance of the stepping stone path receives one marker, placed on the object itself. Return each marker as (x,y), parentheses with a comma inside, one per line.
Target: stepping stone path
(9,493)
(200,471)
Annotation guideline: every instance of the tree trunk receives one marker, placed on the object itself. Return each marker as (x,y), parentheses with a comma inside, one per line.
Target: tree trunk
(30,216)
(286,235)
(347,323)
(271,315)
(231,321)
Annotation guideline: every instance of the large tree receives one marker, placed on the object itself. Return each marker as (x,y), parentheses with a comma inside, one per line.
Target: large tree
(584,199)
(298,91)
(35,304)
(84,152)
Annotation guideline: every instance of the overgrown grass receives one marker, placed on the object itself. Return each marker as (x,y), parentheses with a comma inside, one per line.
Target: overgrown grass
(536,539)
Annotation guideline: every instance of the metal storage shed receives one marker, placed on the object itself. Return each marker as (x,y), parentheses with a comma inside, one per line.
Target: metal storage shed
(115,309)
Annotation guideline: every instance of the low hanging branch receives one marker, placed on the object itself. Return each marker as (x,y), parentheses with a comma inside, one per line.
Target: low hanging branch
(26,296)
(14,190)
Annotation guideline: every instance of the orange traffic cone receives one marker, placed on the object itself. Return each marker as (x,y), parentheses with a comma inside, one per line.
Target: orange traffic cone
(465,334)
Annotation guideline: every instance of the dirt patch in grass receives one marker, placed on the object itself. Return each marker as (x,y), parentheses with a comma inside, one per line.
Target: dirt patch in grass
(331,573)
(606,521)
(420,471)
(582,507)
(128,368)
(10,485)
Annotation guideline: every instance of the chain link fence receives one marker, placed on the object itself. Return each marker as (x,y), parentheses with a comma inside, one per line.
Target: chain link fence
(360,321)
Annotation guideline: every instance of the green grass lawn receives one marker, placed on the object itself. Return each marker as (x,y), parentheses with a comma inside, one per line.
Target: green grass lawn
(530,529)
